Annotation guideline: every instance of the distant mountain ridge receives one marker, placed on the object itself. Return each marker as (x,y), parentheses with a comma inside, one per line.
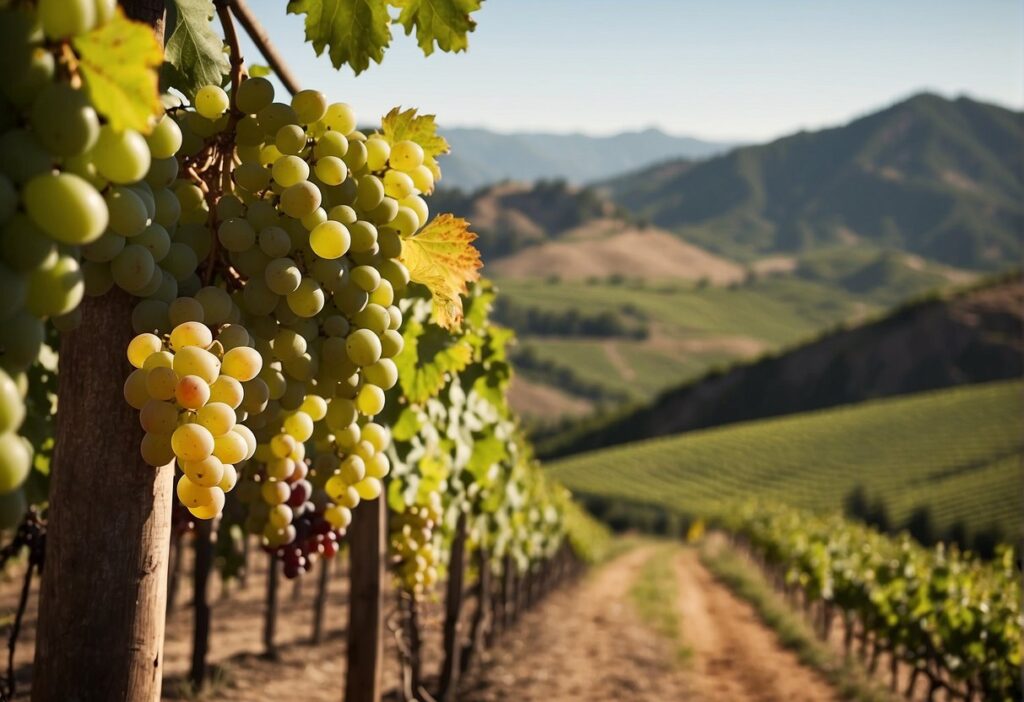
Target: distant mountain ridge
(935,177)
(481,157)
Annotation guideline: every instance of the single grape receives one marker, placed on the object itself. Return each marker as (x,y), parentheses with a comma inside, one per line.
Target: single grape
(331,170)
(192,442)
(339,117)
(64,121)
(66,207)
(242,363)
(377,152)
(121,157)
(133,268)
(330,240)
(211,101)
(254,94)
(15,462)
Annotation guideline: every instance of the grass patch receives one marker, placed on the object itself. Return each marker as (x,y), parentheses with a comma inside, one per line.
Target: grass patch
(747,582)
(654,594)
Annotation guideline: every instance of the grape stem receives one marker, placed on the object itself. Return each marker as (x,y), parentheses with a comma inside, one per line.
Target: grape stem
(260,38)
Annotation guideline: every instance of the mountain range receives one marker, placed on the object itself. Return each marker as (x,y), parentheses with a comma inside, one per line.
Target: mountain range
(481,157)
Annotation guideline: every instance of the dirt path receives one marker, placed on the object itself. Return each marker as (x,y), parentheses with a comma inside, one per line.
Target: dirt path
(583,643)
(615,357)
(734,656)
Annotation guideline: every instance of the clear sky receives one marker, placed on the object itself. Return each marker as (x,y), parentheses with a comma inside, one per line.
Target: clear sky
(727,69)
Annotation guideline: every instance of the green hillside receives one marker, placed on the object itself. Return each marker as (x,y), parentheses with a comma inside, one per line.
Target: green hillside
(935,177)
(955,452)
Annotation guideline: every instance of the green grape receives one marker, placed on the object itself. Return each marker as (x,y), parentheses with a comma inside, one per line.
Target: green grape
(317,216)
(366,278)
(355,156)
(196,237)
(55,290)
(232,335)
(133,268)
(230,206)
(419,206)
(377,152)
(162,172)
(363,347)
(406,222)
(165,139)
(282,276)
(128,215)
(384,295)
(156,240)
(121,157)
(21,337)
(344,214)
(369,193)
(364,236)
(216,304)
(252,262)
(331,170)
(274,116)
(261,214)
(349,299)
(307,300)
(331,144)
(159,417)
(66,207)
(274,241)
(22,157)
(167,290)
(391,344)
(8,198)
(287,344)
(211,102)
(248,132)
(370,401)
(64,121)
(395,315)
(383,373)
(188,318)
(330,240)
(336,326)
(373,317)
(12,409)
(168,209)
(63,19)
(148,315)
(290,139)
(25,247)
(254,94)
(97,277)
(258,298)
(406,156)
(398,185)
(15,462)
(423,179)
(310,106)
(180,261)
(300,199)
(385,212)
(236,234)
(289,170)
(189,195)
(339,117)
(252,177)
(395,273)
(13,288)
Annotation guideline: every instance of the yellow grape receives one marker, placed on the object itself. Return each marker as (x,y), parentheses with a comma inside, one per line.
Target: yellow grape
(156,449)
(280,468)
(377,435)
(191,334)
(378,466)
(339,517)
(315,406)
(192,392)
(227,390)
(160,359)
(205,473)
(370,400)
(352,470)
(193,360)
(211,510)
(135,393)
(192,442)
(282,445)
(406,155)
(142,347)
(159,417)
(377,152)
(368,488)
(230,448)
(242,363)
(217,417)
(230,479)
(275,492)
(192,495)
(161,383)
(299,425)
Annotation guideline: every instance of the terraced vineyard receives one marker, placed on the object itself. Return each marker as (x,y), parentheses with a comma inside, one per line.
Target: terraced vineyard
(956,452)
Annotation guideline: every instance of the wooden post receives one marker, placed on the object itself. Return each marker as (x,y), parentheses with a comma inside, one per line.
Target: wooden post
(365,651)
(270,613)
(174,571)
(449,679)
(320,601)
(201,602)
(102,604)
(478,624)
(508,590)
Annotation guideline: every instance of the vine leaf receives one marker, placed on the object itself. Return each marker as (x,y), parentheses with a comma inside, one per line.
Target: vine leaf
(399,125)
(353,32)
(118,62)
(194,53)
(442,257)
(428,356)
(444,22)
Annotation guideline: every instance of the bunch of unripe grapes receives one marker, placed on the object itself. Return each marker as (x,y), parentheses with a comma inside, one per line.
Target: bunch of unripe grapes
(60,165)
(187,389)
(413,544)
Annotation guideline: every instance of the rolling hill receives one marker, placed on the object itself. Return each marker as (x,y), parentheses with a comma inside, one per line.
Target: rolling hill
(482,157)
(972,337)
(935,177)
(950,457)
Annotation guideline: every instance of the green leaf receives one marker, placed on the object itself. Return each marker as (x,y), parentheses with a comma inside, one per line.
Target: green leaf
(194,53)
(442,22)
(407,425)
(486,452)
(258,70)
(118,62)
(399,125)
(428,356)
(353,32)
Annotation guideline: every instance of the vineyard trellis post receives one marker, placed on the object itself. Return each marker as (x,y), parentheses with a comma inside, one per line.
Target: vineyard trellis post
(453,610)
(365,648)
(202,567)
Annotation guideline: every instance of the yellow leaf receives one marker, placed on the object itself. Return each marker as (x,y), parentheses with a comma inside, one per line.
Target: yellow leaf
(442,257)
(119,63)
(399,125)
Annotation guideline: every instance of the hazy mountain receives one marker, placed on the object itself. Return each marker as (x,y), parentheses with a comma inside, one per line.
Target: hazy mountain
(936,177)
(481,157)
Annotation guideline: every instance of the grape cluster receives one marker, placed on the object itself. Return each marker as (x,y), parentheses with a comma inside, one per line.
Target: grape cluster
(64,175)
(295,220)
(414,546)
(315,538)
(187,390)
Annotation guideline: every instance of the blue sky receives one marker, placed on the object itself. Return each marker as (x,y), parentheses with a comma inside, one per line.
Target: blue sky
(727,69)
